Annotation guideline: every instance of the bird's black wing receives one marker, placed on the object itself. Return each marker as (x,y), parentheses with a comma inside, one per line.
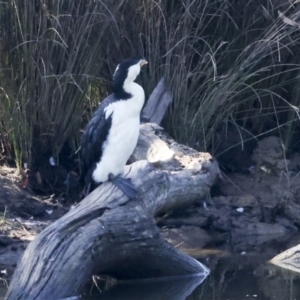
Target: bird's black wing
(94,136)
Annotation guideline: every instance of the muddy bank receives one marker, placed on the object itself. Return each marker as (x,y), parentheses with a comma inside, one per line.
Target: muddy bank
(22,216)
(246,209)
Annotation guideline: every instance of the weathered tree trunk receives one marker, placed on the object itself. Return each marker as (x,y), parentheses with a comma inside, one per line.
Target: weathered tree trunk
(109,234)
(158,102)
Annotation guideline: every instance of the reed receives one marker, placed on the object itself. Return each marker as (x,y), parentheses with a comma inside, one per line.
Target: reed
(225,61)
(50,53)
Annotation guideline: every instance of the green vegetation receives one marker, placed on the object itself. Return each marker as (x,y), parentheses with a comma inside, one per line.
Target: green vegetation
(49,56)
(225,61)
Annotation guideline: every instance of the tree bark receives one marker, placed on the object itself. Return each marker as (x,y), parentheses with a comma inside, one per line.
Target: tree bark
(107,233)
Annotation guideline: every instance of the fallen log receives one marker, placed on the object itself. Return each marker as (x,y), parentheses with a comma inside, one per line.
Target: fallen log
(109,234)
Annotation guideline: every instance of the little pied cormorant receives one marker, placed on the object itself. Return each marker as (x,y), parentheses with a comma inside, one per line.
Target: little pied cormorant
(111,135)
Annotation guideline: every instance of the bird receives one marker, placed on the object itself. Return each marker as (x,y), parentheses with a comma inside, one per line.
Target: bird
(111,135)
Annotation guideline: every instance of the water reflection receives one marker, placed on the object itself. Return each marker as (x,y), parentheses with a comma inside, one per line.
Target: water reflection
(167,289)
(242,273)
(265,282)
(236,277)
(3,290)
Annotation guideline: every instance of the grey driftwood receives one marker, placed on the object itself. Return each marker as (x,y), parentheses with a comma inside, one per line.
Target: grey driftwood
(107,233)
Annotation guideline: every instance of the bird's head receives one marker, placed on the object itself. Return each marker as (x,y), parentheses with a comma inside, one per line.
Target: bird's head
(127,71)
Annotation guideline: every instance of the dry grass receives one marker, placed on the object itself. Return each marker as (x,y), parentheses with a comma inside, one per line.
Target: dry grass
(50,52)
(225,61)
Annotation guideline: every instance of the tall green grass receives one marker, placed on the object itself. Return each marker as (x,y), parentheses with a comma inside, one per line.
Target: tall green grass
(50,52)
(225,61)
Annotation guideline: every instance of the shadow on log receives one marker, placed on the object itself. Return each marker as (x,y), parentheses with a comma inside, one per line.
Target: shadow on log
(109,234)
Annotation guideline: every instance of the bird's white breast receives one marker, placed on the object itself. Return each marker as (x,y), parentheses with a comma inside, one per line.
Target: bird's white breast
(123,134)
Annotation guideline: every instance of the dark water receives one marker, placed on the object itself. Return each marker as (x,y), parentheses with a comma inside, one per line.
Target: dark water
(239,271)
(263,282)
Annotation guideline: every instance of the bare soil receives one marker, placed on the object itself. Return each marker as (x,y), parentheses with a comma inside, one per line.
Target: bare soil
(22,216)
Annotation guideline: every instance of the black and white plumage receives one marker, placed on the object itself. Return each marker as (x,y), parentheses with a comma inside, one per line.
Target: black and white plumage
(111,135)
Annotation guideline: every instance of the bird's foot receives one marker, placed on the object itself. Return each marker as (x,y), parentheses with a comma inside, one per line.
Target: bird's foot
(124,184)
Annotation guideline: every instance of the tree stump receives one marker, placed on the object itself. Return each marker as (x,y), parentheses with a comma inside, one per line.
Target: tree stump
(107,233)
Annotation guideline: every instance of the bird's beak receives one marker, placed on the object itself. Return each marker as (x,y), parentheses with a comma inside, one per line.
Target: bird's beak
(143,62)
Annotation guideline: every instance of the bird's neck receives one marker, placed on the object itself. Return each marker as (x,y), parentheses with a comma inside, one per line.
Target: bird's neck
(127,90)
